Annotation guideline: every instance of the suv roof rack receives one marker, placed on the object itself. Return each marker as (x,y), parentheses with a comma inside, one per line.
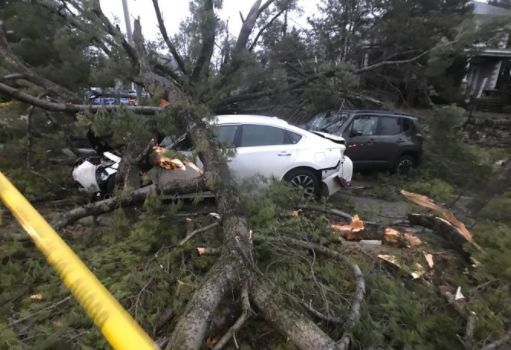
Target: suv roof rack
(357,111)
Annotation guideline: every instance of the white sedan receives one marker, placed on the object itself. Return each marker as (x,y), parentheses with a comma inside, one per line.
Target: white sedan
(272,148)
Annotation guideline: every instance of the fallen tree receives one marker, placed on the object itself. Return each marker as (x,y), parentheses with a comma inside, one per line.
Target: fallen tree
(235,268)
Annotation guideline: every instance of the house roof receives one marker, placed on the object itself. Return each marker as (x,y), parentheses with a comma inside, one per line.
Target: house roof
(484,9)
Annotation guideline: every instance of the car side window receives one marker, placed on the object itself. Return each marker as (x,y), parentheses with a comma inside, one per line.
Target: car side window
(262,135)
(293,137)
(364,126)
(225,134)
(406,124)
(389,126)
(183,143)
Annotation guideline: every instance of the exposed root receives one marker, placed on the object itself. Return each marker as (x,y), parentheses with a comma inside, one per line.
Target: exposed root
(231,333)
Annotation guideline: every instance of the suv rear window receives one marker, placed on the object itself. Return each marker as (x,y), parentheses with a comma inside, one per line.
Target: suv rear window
(389,126)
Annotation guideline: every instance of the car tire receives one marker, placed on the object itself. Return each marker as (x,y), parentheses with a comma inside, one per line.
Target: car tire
(404,164)
(305,179)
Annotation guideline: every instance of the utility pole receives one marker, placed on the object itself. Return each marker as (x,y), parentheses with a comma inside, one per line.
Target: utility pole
(127,20)
(129,33)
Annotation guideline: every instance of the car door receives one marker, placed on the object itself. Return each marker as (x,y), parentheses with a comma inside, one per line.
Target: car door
(361,140)
(263,150)
(388,139)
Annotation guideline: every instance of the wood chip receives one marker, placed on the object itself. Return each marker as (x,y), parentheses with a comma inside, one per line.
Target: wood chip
(429,259)
(36,297)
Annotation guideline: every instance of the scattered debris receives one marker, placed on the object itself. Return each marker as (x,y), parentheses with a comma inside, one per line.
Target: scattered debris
(207,251)
(349,232)
(416,272)
(294,213)
(215,215)
(429,259)
(201,250)
(458,295)
(371,241)
(57,323)
(36,297)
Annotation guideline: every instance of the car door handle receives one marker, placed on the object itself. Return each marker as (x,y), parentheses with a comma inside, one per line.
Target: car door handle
(400,141)
(284,154)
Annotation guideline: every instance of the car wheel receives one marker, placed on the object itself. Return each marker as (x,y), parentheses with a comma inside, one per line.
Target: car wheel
(305,179)
(404,164)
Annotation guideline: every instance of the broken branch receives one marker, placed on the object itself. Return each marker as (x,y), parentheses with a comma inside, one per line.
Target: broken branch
(194,232)
(163,31)
(132,198)
(208,251)
(358,296)
(496,344)
(266,26)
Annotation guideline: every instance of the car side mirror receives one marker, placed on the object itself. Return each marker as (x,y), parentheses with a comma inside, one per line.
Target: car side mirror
(354,133)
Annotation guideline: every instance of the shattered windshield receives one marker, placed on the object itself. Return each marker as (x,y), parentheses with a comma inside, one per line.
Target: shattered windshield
(327,122)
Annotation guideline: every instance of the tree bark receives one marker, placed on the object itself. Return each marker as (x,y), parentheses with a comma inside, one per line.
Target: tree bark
(304,333)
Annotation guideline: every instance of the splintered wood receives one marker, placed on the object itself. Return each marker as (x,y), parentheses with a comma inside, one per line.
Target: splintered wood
(350,231)
(445,214)
(397,238)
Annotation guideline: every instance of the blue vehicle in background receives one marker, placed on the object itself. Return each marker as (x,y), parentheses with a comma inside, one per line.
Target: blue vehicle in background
(112,96)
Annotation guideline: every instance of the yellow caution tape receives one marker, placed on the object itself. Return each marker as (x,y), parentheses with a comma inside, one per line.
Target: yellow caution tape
(121,331)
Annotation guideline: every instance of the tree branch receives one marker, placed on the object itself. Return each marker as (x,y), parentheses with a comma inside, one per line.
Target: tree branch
(403,61)
(163,31)
(358,296)
(208,32)
(194,232)
(266,26)
(304,333)
(71,108)
(247,311)
(320,315)
(496,344)
(26,72)
(248,24)
(135,197)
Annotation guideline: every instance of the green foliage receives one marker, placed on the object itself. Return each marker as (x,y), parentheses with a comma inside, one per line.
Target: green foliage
(499,208)
(42,180)
(123,126)
(133,262)
(446,156)
(437,189)
(401,315)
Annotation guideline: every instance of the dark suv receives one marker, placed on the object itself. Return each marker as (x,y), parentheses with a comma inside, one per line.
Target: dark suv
(375,139)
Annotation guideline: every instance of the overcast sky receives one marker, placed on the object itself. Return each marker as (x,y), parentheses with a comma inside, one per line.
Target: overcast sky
(174,11)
